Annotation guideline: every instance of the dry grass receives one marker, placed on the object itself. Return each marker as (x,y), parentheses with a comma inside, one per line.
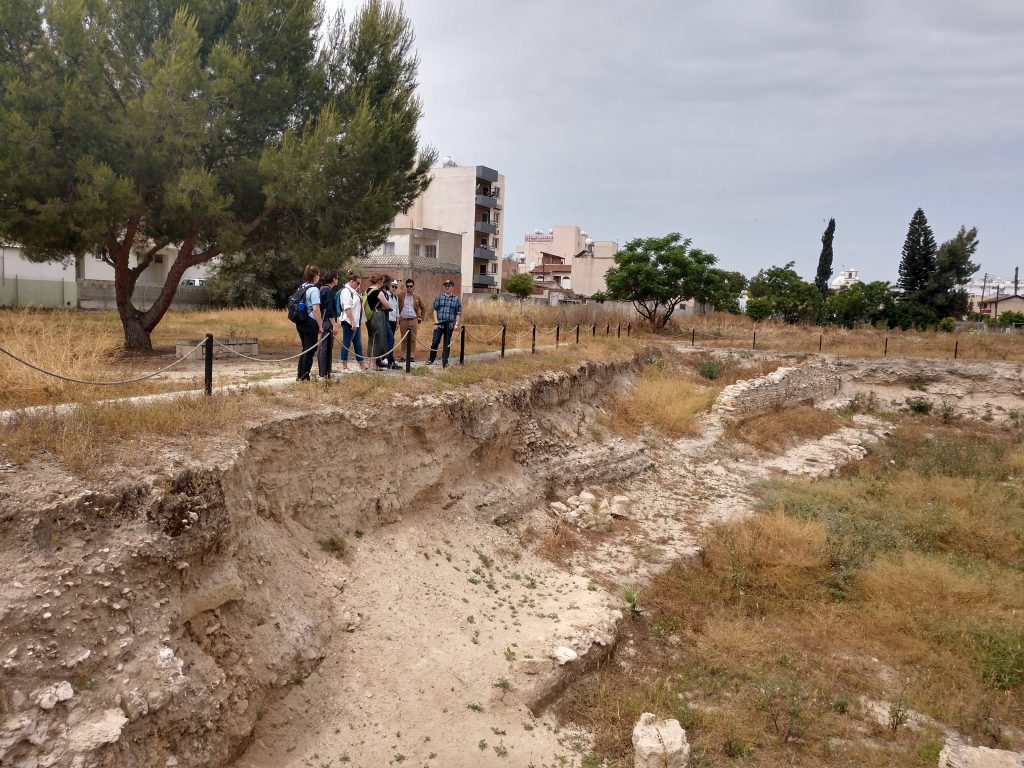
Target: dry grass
(92,437)
(667,402)
(763,647)
(778,430)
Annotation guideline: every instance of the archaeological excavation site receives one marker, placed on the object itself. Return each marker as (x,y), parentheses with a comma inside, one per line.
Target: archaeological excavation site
(642,560)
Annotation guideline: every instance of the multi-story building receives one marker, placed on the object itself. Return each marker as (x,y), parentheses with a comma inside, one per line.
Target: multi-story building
(428,256)
(567,245)
(466,200)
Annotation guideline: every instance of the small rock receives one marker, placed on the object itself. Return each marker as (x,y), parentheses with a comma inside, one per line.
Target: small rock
(564,655)
(587,498)
(91,735)
(623,501)
(659,743)
(171,761)
(48,700)
(64,691)
(558,506)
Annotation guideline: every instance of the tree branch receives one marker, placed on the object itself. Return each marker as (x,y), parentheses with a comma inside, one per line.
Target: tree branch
(147,258)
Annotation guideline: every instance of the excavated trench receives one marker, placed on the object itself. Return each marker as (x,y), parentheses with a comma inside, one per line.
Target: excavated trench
(369,601)
(157,621)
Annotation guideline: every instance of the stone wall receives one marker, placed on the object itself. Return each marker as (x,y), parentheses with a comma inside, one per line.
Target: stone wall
(784,386)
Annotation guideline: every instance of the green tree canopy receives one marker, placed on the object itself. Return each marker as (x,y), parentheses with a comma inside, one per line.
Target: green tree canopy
(825,259)
(519,285)
(953,273)
(659,273)
(861,303)
(780,293)
(918,262)
(209,128)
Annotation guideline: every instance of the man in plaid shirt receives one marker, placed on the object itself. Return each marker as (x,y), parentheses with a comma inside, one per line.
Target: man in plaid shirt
(447,312)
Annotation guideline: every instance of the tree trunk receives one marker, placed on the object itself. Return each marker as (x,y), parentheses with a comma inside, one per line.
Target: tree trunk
(135,334)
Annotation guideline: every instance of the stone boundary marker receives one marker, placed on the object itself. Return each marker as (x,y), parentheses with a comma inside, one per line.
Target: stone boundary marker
(781,387)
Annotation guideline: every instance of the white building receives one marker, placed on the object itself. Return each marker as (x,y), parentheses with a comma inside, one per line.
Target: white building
(584,261)
(847,276)
(468,201)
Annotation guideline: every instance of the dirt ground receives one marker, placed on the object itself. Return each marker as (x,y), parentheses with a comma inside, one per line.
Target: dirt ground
(420,598)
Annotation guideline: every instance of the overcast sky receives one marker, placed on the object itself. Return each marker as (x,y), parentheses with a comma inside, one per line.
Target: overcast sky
(744,125)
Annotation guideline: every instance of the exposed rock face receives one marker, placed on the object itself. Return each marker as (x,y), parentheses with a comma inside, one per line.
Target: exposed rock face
(958,755)
(659,743)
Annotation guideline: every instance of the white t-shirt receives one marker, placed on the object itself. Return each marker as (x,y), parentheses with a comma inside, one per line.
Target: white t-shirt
(350,299)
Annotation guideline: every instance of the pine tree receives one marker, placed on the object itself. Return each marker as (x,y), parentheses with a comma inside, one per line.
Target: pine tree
(213,128)
(825,260)
(919,261)
(953,272)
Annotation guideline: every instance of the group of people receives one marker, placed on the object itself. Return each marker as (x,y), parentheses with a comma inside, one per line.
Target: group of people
(330,312)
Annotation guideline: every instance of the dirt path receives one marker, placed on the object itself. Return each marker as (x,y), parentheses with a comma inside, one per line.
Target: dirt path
(456,631)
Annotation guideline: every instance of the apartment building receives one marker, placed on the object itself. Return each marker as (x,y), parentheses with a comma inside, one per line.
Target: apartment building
(584,261)
(428,256)
(464,200)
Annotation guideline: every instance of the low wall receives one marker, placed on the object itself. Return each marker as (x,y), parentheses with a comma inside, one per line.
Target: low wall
(99,294)
(781,387)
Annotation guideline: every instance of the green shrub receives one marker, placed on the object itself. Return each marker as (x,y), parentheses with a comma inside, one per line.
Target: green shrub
(710,368)
(947,324)
(920,405)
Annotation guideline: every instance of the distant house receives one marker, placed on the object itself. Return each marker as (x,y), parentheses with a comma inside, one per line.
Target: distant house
(552,273)
(997,306)
(847,276)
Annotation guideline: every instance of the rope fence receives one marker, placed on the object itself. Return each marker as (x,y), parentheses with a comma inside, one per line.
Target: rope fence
(767,340)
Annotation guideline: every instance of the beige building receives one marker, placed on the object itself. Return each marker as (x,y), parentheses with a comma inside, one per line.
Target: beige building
(587,260)
(428,256)
(465,200)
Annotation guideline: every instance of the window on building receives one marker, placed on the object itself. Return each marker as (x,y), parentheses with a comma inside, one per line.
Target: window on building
(483,269)
(494,242)
(483,242)
(389,249)
(493,268)
(158,258)
(430,251)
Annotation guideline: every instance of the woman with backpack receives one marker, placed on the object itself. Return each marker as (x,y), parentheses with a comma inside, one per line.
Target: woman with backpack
(330,329)
(309,322)
(352,321)
(377,308)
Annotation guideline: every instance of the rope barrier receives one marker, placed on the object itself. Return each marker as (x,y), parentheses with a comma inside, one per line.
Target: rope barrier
(101,383)
(275,360)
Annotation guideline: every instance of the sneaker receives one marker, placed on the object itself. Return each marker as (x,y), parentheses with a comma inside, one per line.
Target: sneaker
(430,362)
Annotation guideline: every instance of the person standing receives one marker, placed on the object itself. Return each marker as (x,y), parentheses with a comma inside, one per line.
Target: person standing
(388,360)
(352,321)
(410,314)
(311,322)
(393,319)
(330,328)
(447,313)
(377,322)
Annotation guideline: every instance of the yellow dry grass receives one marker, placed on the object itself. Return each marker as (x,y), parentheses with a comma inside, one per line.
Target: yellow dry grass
(662,400)
(778,430)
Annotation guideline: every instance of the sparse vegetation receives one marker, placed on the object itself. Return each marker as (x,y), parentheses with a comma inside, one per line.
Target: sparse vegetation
(777,430)
(908,566)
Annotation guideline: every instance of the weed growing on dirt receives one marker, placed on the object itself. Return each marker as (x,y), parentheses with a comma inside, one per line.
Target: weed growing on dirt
(335,546)
(631,597)
(920,405)
(667,402)
(780,429)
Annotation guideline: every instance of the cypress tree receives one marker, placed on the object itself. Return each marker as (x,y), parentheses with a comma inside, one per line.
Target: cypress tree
(919,260)
(825,260)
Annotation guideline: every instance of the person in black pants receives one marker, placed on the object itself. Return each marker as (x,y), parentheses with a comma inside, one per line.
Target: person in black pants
(309,326)
(330,327)
(447,313)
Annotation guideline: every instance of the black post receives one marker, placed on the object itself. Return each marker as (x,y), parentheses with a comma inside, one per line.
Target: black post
(208,364)
(693,337)
(618,331)
(629,329)
(754,345)
(533,339)
(593,330)
(502,339)
(558,332)
(408,351)
(956,349)
(821,338)
(577,334)
(608,328)
(885,352)
(462,345)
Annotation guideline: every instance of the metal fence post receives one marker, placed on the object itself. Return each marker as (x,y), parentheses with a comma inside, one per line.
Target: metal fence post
(693,337)
(558,333)
(208,364)
(618,330)
(502,339)
(408,351)
(608,328)
(885,350)
(956,349)
(533,339)
(577,334)
(462,345)
(593,330)
(821,338)
(629,329)
(754,345)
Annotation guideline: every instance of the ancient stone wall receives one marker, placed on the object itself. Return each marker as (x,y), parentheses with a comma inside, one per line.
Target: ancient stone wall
(784,386)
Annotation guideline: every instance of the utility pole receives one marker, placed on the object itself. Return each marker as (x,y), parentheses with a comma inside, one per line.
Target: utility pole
(998,286)
(1015,271)
(984,285)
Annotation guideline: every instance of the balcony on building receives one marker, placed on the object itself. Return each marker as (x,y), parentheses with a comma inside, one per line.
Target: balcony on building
(487,254)
(483,281)
(490,227)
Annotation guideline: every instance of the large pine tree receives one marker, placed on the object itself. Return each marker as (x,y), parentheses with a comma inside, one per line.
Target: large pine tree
(919,260)
(210,128)
(825,259)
